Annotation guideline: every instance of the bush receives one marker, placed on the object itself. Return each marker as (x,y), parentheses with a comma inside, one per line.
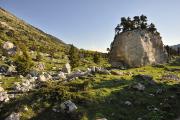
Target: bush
(74,57)
(38,56)
(96,58)
(23,62)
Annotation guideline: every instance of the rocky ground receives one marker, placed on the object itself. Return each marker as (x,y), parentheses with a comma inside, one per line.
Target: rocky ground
(146,93)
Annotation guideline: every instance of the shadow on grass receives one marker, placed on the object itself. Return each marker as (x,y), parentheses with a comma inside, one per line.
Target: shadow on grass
(158,101)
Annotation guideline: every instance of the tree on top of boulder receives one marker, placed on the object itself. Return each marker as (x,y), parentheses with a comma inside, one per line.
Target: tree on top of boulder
(138,22)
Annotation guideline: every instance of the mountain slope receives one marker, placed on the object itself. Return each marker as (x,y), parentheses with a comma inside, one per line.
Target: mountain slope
(13,29)
(176,46)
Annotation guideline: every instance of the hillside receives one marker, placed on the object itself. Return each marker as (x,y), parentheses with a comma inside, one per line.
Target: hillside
(175,46)
(52,90)
(14,29)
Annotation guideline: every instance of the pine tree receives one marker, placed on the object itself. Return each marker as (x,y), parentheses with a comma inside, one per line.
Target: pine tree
(96,58)
(23,60)
(74,56)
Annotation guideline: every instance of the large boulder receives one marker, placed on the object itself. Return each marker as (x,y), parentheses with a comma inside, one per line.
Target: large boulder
(137,48)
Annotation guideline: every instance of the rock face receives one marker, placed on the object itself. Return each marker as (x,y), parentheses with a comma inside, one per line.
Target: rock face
(137,48)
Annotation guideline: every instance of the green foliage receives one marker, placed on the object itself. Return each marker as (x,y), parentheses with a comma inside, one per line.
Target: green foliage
(23,62)
(74,56)
(38,56)
(138,22)
(96,58)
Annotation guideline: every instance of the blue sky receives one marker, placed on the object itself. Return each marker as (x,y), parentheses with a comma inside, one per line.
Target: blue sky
(90,24)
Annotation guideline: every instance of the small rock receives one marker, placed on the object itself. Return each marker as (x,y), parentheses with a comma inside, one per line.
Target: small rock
(128,103)
(62,75)
(42,78)
(26,108)
(1,89)
(139,87)
(13,116)
(4,96)
(66,68)
(68,106)
(170,77)
(9,48)
(101,119)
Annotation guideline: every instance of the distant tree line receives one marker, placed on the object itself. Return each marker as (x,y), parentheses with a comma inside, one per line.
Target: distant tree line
(138,22)
(171,51)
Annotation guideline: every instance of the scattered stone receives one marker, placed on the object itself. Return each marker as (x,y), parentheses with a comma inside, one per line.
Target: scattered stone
(25,86)
(11,70)
(159,91)
(3,69)
(26,108)
(66,68)
(93,69)
(128,103)
(34,73)
(62,75)
(9,48)
(3,58)
(170,77)
(4,96)
(13,116)
(1,89)
(152,95)
(139,119)
(68,106)
(101,119)
(139,87)
(42,78)
(21,76)
(102,71)
(55,110)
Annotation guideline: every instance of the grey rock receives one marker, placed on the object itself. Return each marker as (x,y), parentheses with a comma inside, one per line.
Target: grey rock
(66,68)
(4,96)
(128,103)
(25,85)
(170,77)
(62,75)
(9,48)
(13,116)
(139,87)
(68,106)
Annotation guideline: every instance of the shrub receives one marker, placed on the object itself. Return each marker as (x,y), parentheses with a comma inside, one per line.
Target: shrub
(74,56)
(38,56)
(96,58)
(23,62)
